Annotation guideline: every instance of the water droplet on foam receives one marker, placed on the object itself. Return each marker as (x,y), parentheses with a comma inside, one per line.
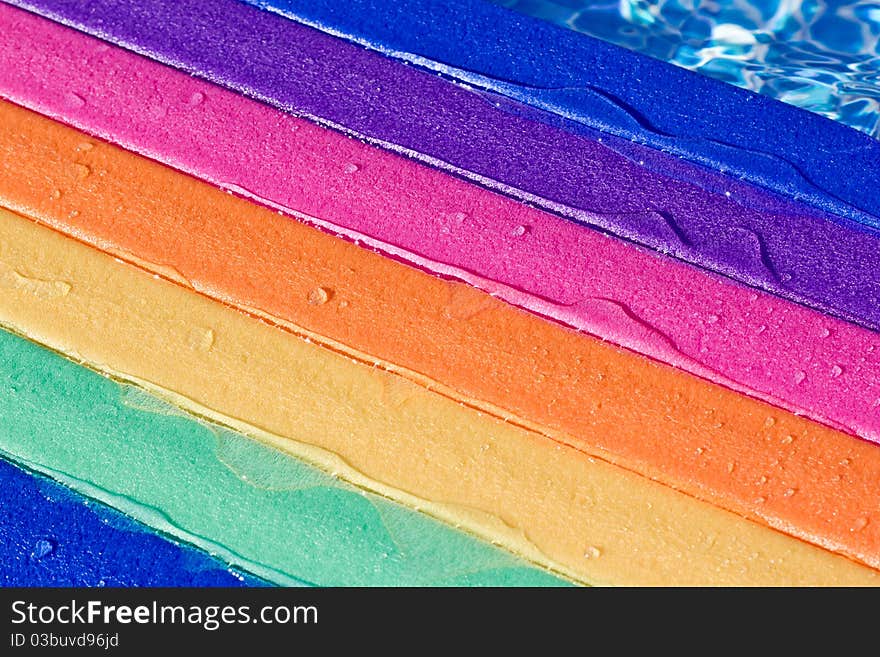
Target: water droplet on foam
(712,319)
(42,548)
(824,333)
(836,371)
(787,440)
(519,231)
(201,338)
(757,248)
(74,100)
(56,194)
(319,296)
(799,377)
(859,525)
(196,99)
(351,167)
(85,147)
(82,171)
(789,492)
(592,552)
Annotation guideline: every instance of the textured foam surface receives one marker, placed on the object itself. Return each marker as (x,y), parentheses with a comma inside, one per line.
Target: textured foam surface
(741,454)
(781,147)
(764,241)
(809,363)
(261,508)
(51,536)
(596,521)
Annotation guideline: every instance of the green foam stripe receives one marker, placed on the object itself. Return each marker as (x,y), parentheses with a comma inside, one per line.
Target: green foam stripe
(256,507)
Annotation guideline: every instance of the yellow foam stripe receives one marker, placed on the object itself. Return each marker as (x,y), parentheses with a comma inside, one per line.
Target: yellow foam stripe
(552,504)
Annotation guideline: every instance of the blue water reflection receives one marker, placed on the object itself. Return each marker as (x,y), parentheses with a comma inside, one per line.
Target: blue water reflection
(820,55)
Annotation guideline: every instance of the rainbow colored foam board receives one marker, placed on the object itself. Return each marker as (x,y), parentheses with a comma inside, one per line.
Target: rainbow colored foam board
(286,274)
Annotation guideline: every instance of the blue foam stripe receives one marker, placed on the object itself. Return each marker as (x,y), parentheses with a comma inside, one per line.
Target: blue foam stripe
(52,536)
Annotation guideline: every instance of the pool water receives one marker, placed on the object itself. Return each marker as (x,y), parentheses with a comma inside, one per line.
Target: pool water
(823,56)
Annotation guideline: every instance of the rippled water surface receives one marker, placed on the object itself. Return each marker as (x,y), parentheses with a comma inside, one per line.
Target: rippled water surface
(822,56)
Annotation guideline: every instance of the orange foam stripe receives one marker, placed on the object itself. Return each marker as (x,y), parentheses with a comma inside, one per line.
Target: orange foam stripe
(746,456)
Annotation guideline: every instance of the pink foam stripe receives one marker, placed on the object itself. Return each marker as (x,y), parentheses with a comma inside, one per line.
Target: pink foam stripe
(758,344)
